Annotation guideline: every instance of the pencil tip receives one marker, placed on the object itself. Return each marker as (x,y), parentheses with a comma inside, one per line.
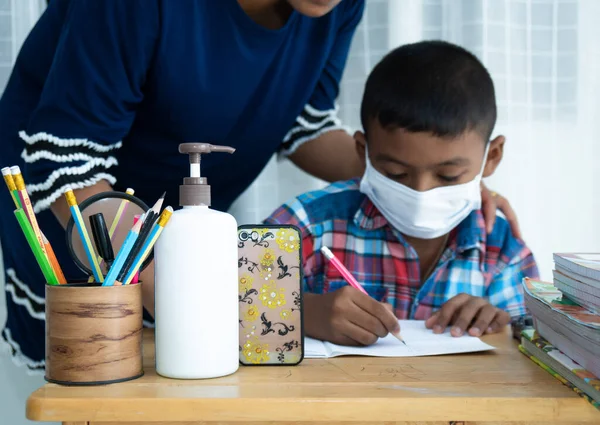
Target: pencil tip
(163,195)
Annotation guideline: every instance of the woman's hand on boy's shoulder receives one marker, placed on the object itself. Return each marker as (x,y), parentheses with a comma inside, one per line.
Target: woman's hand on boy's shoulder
(347,317)
(466,313)
(490,202)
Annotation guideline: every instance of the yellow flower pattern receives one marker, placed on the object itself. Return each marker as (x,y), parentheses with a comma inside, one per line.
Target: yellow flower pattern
(266,274)
(272,296)
(267,259)
(255,352)
(251,314)
(246,283)
(288,240)
(260,232)
(269,295)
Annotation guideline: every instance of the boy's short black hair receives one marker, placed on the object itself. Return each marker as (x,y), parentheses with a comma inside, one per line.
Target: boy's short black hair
(430,86)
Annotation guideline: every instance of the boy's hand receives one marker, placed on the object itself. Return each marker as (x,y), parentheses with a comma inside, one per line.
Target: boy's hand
(467,313)
(348,317)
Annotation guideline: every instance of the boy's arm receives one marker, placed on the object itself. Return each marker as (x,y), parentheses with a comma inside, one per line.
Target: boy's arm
(345,316)
(503,301)
(506,289)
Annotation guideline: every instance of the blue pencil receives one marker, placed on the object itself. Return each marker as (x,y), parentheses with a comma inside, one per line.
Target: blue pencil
(123,253)
(148,244)
(83,234)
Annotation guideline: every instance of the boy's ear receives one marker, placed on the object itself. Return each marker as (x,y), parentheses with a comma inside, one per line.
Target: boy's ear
(361,146)
(495,153)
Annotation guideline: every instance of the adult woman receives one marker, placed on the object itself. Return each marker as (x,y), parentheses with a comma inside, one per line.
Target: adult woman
(103,92)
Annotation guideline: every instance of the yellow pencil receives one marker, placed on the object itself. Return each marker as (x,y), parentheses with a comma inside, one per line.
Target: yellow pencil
(119,214)
(12,188)
(26,202)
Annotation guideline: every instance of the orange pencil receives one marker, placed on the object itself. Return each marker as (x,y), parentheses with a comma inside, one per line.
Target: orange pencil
(54,261)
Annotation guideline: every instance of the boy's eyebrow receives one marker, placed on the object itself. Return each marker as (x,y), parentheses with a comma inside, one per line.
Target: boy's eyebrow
(459,160)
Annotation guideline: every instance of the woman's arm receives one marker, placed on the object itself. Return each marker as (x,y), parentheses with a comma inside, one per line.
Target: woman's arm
(331,157)
(60,208)
(88,102)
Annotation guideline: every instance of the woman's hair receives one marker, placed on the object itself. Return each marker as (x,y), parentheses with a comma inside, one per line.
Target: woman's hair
(430,86)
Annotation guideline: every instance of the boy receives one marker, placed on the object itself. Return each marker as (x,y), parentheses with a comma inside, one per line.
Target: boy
(411,230)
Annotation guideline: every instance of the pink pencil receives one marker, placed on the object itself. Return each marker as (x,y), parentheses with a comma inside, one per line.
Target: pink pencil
(137,274)
(342,269)
(349,278)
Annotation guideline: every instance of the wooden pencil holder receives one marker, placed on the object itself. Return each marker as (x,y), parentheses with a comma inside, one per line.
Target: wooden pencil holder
(93,333)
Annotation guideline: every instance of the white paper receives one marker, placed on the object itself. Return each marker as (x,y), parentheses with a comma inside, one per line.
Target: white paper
(314,349)
(420,341)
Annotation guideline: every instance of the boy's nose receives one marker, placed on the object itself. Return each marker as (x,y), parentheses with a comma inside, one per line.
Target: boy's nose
(422,183)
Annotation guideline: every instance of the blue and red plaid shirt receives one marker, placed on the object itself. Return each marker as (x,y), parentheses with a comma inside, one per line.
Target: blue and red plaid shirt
(345,220)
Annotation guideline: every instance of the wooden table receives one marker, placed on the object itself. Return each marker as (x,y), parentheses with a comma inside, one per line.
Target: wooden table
(502,386)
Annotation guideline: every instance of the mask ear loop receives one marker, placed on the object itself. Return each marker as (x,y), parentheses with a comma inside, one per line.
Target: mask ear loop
(485,157)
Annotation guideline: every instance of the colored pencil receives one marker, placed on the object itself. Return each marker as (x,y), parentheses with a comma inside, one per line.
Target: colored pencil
(342,269)
(42,260)
(12,188)
(119,215)
(148,244)
(349,278)
(147,224)
(54,261)
(83,234)
(158,204)
(137,274)
(122,254)
(26,203)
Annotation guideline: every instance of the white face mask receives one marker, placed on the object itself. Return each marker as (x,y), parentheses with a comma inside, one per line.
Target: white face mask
(424,215)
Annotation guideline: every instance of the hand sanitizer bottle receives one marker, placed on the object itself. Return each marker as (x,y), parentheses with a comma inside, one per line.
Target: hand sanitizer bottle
(196,283)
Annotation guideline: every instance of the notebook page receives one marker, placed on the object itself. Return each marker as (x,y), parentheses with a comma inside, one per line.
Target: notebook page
(420,341)
(314,349)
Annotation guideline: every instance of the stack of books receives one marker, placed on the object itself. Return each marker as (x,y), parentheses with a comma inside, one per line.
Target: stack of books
(578,277)
(566,339)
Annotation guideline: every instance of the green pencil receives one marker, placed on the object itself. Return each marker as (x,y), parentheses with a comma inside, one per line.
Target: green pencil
(35,247)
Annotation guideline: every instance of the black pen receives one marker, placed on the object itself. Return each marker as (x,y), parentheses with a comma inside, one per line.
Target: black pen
(102,239)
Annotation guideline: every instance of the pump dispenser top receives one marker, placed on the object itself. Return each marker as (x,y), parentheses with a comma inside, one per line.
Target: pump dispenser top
(195,189)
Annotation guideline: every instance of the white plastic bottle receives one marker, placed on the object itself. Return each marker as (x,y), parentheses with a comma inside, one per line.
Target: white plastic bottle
(196,288)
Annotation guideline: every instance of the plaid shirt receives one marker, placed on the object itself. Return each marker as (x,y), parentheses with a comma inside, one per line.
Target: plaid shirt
(346,221)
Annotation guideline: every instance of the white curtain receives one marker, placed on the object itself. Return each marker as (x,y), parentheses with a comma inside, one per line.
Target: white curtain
(544,58)
(17,17)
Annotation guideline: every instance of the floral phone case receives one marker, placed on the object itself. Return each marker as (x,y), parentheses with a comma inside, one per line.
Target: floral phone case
(270,295)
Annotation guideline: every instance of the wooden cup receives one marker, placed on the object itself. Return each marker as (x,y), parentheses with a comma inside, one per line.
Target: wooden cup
(93,333)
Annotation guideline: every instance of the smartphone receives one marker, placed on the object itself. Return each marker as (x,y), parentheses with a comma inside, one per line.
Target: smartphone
(270,295)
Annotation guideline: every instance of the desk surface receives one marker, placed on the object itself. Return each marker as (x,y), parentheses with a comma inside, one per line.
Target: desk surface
(499,386)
